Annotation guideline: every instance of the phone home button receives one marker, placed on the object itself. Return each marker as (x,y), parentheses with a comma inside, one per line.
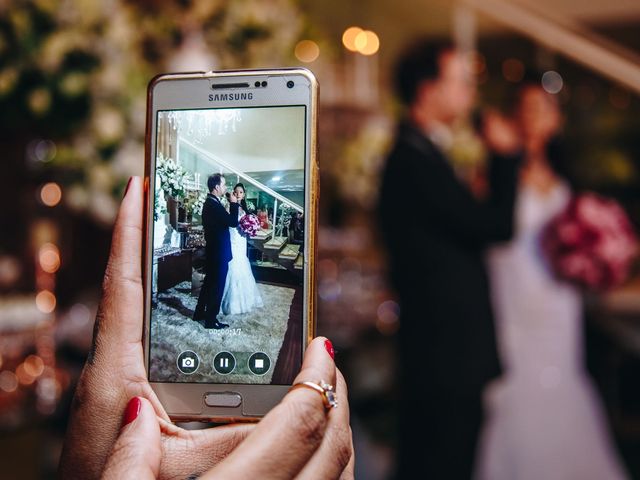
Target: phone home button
(224,399)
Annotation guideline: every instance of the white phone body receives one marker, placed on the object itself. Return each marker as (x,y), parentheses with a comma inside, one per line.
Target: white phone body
(258,128)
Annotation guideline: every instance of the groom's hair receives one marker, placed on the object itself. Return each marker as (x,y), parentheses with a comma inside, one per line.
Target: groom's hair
(419,62)
(213,181)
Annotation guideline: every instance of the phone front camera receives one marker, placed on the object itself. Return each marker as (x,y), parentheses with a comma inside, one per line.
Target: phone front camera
(290,84)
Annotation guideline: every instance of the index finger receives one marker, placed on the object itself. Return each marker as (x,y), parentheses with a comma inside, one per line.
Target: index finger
(295,427)
(120,312)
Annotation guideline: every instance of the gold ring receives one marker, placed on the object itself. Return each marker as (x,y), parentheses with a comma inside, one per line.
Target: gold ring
(329,397)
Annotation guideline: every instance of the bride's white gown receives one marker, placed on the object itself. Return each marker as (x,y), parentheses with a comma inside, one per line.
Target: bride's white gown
(544,419)
(241,293)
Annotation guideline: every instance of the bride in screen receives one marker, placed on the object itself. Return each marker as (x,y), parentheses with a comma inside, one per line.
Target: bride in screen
(241,294)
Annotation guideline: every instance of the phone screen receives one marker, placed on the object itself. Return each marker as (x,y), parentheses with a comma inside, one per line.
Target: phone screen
(228,245)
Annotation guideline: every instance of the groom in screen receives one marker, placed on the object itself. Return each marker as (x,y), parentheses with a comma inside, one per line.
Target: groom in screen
(216,222)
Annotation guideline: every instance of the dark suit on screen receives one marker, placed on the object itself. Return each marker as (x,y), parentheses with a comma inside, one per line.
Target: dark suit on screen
(216,222)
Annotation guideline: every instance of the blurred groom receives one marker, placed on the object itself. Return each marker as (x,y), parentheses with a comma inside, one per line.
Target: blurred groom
(216,222)
(435,239)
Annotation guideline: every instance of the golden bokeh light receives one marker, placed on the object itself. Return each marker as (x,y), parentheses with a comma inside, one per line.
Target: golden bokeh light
(46,301)
(307,51)
(49,258)
(367,42)
(51,194)
(23,376)
(34,365)
(349,38)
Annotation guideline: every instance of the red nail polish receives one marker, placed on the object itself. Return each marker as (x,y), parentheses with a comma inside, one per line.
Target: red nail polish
(132,411)
(127,187)
(329,346)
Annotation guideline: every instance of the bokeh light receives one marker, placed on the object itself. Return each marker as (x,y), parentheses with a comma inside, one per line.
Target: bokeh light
(8,381)
(513,70)
(552,82)
(24,377)
(307,51)
(10,270)
(34,365)
(477,63)
(46,301)
(387,321)
(349,38)
(80,314)
(49,258)
(367,42)
(51,194)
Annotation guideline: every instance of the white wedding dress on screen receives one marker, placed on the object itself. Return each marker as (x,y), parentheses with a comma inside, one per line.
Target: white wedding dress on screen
(544,419)
(241,294)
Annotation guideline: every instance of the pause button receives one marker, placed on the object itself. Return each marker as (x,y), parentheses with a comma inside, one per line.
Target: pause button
(224,363)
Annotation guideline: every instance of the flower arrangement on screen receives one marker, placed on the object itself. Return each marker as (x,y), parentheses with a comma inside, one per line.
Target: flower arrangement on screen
(194,201)
(249,225)
(172,177)
(592,243)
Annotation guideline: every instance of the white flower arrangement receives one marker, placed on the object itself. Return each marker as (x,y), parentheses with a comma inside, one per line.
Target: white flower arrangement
(172,177)
(106,70)
(160,206)
(194,201)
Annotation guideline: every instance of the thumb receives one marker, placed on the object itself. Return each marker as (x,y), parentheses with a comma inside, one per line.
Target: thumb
(137,451)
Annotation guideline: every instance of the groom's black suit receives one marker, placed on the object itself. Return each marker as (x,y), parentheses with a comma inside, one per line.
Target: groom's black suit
(216,222)
(436,237)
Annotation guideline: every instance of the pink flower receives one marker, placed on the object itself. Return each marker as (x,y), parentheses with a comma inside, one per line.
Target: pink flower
(591,243)
(249,225)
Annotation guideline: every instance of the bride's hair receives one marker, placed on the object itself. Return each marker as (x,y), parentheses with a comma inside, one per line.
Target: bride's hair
(243,202)
(556,149)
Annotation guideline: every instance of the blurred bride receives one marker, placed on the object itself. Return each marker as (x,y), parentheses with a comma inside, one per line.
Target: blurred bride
(241,294)
(544,418)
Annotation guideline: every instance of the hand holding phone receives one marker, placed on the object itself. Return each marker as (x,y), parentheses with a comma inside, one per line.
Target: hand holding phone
(115,372)
(287,443)
(227,321)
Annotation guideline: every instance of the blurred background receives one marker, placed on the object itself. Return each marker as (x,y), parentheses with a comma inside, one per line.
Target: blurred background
(73,76)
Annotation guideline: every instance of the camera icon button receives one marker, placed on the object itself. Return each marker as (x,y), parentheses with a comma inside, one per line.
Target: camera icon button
(188,362)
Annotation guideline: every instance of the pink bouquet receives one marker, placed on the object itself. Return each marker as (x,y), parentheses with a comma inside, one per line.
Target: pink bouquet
(591,243)
(249,225)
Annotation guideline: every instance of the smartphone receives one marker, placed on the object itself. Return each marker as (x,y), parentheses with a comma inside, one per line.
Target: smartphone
(231,186)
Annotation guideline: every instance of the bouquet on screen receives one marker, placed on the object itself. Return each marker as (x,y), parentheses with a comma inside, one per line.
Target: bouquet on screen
(591,243)
(249,225)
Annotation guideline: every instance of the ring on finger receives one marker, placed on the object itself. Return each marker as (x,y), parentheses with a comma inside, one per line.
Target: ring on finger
(326,390)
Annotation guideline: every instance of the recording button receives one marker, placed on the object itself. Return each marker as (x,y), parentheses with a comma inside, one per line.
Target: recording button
(224,363)
(259,363)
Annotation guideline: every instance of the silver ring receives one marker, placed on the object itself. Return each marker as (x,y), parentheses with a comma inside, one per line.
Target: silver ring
(329,396)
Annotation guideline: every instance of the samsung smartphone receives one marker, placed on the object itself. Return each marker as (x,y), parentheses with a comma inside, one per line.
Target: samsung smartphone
(231,189)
